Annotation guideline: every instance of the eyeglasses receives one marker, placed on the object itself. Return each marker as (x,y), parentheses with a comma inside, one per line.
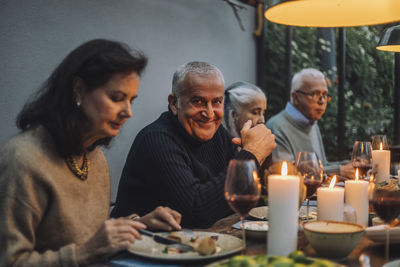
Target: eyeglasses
(315,96)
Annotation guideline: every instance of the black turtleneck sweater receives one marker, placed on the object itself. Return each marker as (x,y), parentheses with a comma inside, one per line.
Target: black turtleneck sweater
(168,167)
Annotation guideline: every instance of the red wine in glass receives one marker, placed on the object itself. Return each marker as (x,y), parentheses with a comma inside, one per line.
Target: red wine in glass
(242,204)
(242,189)
(312,186)
(361,157)
(386,204)
(311,169)
(362,168)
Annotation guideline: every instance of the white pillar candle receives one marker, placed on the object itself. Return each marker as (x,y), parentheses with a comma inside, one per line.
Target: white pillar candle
(381,164)
(330,202)
(283,210)
(356,195)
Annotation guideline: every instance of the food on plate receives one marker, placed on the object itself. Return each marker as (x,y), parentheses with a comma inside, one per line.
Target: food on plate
(255,226)
(295,259)
(204,246)
(174,237)
(207,246)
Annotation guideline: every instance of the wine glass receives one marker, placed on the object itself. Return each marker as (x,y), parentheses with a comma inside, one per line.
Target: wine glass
(361,157)
(312,171)
(242,188)
(378,141)
(386,203)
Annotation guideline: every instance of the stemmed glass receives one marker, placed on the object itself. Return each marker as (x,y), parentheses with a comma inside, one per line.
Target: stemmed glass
(242,188)
(378,141)
(386,203)
(361,157)
(312,171)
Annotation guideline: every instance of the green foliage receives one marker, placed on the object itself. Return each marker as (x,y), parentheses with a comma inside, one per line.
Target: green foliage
(276,73)
(368,83)
(368,87)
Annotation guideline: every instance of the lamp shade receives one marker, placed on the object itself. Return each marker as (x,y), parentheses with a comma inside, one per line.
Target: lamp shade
(334,13)
(390,40)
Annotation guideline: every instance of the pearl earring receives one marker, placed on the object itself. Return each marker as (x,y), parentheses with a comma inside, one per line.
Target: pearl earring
(78,103)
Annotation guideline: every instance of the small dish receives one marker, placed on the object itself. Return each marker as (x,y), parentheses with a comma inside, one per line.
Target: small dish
(257,230)
(378,234)
(261,213)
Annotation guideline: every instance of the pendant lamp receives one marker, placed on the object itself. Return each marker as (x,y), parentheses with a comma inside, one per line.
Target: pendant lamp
(390,40)
(334,13)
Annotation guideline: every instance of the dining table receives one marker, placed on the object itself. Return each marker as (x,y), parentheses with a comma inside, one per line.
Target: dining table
(375,251)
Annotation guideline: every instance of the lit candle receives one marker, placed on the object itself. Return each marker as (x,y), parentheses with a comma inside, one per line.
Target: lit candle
(381,164)
(283,202)
(330,202)
(356,195)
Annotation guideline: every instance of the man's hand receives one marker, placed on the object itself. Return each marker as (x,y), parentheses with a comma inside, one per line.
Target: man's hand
(162,218)
(257,140)
(347,170)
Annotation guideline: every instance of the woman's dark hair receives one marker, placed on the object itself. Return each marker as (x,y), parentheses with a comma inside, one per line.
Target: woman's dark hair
(54,106)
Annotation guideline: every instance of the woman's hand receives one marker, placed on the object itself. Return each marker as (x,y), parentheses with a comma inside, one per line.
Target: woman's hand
(162,218)
(113,236)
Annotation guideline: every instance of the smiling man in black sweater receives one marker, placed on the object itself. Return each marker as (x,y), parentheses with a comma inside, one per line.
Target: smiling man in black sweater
(180,160)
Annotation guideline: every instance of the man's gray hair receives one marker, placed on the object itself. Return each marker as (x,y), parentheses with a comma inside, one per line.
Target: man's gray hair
(300,77)
(197,67)
(238,95)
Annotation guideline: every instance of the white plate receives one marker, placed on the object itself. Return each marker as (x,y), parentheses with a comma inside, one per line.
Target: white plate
(261,213)
(395,263)
(378,234)
(148,248)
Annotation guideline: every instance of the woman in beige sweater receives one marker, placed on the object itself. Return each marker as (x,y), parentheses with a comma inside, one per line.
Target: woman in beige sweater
(54,178)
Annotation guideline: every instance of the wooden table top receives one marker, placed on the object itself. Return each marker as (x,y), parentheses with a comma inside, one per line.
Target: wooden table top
(366,246)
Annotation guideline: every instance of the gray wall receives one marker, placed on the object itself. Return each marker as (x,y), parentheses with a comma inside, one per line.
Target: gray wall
(36,35)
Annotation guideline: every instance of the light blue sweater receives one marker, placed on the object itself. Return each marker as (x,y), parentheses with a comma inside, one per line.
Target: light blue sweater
(293,136)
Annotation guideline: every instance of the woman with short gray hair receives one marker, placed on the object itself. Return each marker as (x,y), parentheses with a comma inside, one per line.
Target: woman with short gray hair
(243,101)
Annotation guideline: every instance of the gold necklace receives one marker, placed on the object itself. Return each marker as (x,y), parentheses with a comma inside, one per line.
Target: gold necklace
(81,173)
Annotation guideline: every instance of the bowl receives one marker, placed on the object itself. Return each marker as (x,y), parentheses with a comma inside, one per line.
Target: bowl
(333,239)
(256,230)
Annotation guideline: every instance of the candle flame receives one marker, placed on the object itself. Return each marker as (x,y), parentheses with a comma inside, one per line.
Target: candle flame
(284,170)
(256,180)
(333,182)
(357,173)
(380,146)
(371,178)
(255,177)
(371,187)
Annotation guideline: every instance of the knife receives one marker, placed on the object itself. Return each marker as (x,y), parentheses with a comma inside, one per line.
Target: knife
(167,241)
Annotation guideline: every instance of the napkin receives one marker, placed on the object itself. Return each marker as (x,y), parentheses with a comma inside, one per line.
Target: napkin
(378,234)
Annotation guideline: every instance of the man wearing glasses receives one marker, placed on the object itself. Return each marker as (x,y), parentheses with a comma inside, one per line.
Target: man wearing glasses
(296,127)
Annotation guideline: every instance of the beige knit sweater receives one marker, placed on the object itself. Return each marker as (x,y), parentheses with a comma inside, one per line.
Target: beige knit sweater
(45,211)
